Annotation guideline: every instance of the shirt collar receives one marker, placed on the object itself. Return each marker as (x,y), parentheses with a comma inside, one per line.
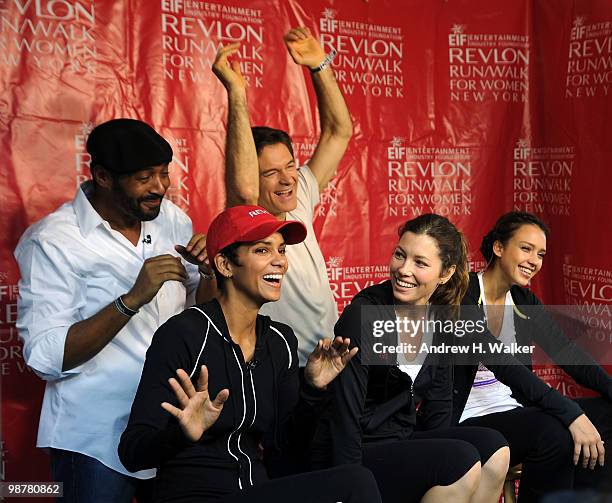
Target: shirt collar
(87,217)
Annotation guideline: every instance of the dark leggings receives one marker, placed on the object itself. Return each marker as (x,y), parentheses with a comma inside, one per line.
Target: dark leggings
(599,411)
(343,484)
(545,447)
(405,470)
(540,442)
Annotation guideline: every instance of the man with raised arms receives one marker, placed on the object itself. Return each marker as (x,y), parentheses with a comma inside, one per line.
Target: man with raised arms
(261,169)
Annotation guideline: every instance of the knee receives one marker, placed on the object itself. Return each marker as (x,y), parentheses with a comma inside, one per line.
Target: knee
(555,439)
(358,475)
(361,481)
(468,484)
(496,467)
(466,467)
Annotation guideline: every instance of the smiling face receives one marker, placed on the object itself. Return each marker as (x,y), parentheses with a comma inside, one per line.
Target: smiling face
(416,269)
(261,266)
(139,195)
(520,259)
(277,180)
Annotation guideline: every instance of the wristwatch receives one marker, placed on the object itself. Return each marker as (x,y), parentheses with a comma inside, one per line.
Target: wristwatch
(325,63)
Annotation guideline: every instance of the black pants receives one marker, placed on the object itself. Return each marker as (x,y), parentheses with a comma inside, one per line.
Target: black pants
(405,470)
(545,448)
(540,442)
(343,484)
(599,411)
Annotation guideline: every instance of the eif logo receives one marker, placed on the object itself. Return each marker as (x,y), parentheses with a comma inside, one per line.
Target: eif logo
(172,5)
(457,38)
(521,151)
(328,23)
(334,268)
(578,30)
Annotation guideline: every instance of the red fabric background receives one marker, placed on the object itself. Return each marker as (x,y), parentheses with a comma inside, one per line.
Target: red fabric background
(469,108)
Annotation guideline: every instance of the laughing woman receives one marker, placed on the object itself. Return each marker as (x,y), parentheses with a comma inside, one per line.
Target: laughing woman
(374,421)
(220,383)
(548,444)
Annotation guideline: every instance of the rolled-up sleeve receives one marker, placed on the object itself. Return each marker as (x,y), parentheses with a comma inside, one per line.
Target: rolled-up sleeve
(51,295)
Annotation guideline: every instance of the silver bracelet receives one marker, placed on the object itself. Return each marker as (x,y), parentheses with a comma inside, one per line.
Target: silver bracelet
(122,308)
(325,63)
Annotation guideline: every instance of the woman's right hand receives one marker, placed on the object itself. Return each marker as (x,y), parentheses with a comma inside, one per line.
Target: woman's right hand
(196,412)
(587,442)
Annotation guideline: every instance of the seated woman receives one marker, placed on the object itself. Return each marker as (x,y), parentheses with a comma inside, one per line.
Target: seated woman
(373,419)
(220,382)
(545,440)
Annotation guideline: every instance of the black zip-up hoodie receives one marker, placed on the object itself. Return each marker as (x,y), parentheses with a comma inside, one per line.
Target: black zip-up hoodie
(265,404)
(373,403)
(533,325)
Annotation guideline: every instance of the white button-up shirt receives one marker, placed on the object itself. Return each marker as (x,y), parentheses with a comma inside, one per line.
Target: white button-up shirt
(73,265)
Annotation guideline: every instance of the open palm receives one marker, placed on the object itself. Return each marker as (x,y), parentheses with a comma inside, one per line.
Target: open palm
(303,48)
(328,359)
(196,412)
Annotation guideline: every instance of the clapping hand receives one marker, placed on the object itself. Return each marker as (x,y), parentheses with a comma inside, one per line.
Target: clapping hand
(196,412)
(328,359)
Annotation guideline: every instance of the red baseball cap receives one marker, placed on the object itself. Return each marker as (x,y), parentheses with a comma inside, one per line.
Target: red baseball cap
(249,223)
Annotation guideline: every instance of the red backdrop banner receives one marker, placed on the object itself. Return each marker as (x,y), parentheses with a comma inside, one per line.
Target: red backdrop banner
(468,108)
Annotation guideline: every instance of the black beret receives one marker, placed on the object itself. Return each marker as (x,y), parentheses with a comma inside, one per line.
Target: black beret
(127,145)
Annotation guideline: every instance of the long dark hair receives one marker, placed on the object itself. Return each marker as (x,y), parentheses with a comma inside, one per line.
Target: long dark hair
(504,229)
(453,250)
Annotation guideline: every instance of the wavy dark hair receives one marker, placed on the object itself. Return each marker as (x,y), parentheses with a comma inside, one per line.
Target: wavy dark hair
(453,250)
(265,136)
(504,229)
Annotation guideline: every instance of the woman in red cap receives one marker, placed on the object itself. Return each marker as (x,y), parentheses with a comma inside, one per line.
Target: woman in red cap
(220,385)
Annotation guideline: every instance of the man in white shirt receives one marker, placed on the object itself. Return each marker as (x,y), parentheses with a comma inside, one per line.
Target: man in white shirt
(260,169)
(98,276)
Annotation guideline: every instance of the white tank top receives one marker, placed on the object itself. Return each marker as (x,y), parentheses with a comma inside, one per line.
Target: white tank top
(488,395)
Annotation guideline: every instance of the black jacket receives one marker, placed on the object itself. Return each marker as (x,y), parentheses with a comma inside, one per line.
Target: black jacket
(265,404)
(532,325)
(374,403)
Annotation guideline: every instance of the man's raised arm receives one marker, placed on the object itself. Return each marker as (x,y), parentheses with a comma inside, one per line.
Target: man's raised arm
(336,124)
(241,165)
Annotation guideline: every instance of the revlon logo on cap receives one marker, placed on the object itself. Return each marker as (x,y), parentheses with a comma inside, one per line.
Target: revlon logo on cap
(254,213)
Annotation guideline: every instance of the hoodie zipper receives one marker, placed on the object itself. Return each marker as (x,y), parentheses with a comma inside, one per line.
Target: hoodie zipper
(244,411)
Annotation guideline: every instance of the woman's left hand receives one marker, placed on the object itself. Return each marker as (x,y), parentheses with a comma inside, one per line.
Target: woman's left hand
(327,361)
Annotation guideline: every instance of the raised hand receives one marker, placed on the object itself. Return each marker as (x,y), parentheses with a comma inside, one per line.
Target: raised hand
(195,253)
(328,359)
(303,48)
(587,442)
(153,274)
(196,412)
(229,72)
